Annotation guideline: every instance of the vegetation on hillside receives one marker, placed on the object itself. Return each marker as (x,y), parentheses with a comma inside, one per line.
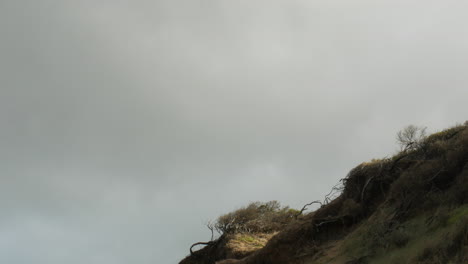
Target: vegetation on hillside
(257,217)
(410,208)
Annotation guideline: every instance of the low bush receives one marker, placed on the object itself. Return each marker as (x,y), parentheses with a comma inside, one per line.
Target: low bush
(257,217)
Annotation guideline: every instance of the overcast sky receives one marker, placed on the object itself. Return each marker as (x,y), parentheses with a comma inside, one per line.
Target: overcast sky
(126,125)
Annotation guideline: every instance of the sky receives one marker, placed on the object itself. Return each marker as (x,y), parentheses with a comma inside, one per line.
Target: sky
(126,125)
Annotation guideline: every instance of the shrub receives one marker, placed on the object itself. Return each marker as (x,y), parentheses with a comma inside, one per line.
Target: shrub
(411,137)
(257,217)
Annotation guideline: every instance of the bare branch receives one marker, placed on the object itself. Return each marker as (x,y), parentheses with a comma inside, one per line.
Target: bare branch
(411,137)
(200,243)
(328,221)
(211,227)
(369,180)
(307,205)
(334,192)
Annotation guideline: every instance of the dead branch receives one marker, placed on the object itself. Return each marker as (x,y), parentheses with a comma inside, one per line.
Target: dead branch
(334,191)
(200,243)
(369,180)
(397,160)
(329,221)
(211,227)
(305,207)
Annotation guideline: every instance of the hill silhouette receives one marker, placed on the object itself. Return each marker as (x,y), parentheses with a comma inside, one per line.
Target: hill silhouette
(410,208)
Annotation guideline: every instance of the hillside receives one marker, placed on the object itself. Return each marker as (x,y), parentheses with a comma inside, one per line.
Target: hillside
(410,208)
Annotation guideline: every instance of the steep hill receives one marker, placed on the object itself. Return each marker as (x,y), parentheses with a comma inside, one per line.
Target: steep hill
(410,208)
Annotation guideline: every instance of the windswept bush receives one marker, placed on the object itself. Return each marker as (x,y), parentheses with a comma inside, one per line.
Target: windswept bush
(440,166)
(411,137)
(257,217)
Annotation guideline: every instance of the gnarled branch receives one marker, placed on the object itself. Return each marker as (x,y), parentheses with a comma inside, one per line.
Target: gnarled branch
(200,243)
(305,207)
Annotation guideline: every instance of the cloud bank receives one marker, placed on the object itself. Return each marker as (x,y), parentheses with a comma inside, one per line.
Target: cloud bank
(125,125)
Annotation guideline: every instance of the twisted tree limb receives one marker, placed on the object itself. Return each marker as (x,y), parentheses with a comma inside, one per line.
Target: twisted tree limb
(369,180)
(339,218)
(307,205)
(200,243)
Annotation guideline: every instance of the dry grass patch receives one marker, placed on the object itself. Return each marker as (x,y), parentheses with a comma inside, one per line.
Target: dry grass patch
(245,243)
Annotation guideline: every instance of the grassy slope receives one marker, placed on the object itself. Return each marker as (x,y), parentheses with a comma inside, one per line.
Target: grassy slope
(425,238)
(411,208)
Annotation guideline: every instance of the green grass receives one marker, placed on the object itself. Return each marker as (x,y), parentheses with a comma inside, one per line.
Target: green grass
(458,214)
(373,240)
(251,240)
(246,239)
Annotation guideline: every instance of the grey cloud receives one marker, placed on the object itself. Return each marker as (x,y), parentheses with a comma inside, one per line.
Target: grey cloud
(125,125)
